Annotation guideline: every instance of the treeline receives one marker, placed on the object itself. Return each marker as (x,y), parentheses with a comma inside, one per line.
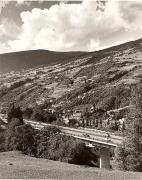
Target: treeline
(49,142)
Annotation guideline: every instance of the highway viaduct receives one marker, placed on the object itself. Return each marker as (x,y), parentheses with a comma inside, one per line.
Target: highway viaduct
(93,138)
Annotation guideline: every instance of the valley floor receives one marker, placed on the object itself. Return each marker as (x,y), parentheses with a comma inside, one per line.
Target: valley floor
(14,165)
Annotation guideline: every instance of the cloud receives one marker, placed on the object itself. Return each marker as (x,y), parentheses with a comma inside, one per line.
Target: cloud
(2,5)
(8,29)
(68,27)
(22,1)
(4,48)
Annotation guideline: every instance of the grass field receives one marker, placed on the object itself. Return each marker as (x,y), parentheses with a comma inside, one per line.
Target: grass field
(14,165)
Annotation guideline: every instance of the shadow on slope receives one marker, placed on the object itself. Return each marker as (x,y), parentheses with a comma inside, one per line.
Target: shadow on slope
(29,59)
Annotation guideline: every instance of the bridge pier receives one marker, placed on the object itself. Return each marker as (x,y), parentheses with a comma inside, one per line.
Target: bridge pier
(104,157)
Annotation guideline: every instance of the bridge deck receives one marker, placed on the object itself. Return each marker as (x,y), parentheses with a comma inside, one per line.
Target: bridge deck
(93,136)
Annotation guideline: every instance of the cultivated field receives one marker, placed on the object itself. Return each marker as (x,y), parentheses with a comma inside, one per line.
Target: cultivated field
(15,165)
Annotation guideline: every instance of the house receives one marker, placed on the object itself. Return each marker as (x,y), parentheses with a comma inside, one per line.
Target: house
(83,108)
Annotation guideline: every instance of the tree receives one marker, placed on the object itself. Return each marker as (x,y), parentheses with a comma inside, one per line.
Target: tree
(72,122)
(20,137)
(53,144)
(28,112)
(82,120)
(87,117)
(43,140)
(131,150)
(2,139)
(14,111)
(10,133)
(43,115)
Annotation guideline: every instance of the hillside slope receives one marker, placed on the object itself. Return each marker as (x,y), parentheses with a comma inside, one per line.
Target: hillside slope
(104,77)
(29,59)
(14,165)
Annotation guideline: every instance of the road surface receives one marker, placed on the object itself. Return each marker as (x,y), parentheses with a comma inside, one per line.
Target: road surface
(84,133)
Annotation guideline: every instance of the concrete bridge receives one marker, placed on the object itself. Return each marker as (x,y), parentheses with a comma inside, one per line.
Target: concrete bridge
(93,138)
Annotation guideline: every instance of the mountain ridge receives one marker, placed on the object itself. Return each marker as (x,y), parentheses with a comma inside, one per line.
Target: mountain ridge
(28,59)
(37,57)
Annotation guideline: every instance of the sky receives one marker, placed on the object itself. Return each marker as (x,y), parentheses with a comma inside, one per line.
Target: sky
(86,25)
